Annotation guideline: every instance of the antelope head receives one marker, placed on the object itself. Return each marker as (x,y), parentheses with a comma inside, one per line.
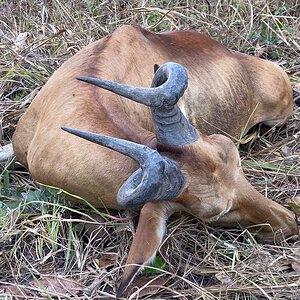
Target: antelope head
(188,171)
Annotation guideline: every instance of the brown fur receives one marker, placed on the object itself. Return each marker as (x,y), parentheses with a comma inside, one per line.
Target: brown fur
(228,92)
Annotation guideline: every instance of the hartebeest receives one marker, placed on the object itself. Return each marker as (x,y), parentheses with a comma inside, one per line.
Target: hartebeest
(181,168)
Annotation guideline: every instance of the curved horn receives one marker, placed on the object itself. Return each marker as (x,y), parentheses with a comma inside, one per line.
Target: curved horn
(168,85)
(159,178)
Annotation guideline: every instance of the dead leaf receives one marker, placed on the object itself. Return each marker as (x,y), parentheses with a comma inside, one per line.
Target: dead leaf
(224,278)
(296,267)
(286,151)
(296,199)
(57,285)
(259,50)
(296,87)
(144,286)
(106,260)
(21,40)
(13,290)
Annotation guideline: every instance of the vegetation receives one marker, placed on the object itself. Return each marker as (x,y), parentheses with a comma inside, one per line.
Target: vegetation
(50,248)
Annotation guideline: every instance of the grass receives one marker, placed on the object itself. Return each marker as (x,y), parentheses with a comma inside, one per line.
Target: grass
(78,250)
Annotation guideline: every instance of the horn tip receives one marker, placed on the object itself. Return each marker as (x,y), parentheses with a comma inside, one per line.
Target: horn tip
(69,129)
(65,128)
(81,78)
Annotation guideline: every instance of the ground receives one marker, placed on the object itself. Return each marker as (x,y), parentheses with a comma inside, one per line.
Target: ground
(50,248)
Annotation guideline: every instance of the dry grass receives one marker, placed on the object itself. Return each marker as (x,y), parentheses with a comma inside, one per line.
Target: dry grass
(43,236)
